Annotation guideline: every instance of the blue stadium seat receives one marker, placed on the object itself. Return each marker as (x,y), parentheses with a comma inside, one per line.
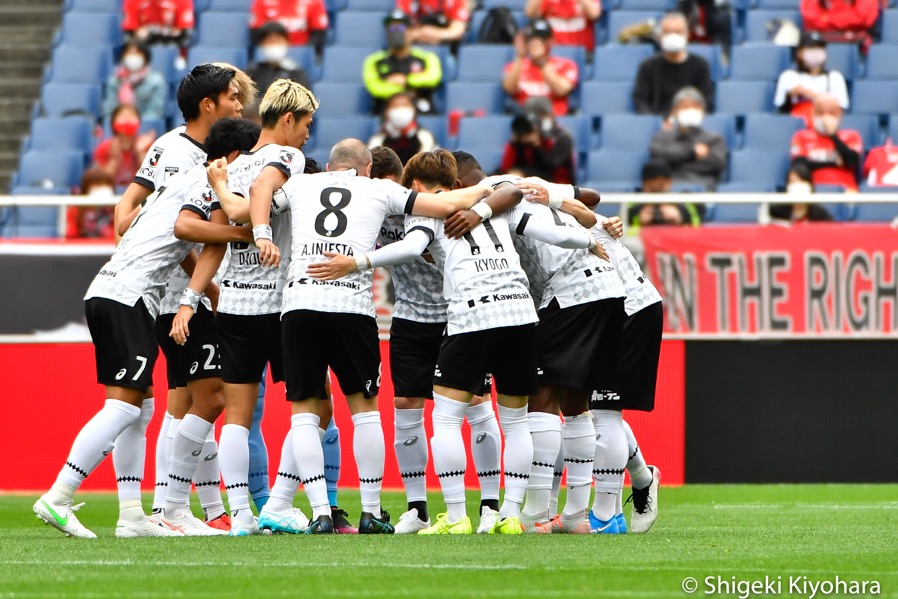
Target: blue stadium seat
(619,166)
(756,22)
(605,97)
(876,212)
(61,99)
(163,60)
(744,188)
(70,133)
(205,54)
(512,4)
(304,56)
(344,64)
(628,131)
(80,65)
(484,132)
(843,58)
(872,96)
(62,167)
(447,59)
(743,97)
(380,6)
(760,62)
(616,62)
(31,222)
(724,125)
(733,213)
(360,29)
(578,55)
(711,53)
(229,6)
(882,61)
(779,5)
(343,98)
(865,124)
(580,128)
(759,167)
(335,6)
(490,159)
(619,19)
(467,95)
(328,131)
(90,30)
(483,62)
(438,126)
(892,131)
(890,26)
(765,131)
(223,29)
(653,5)
(108,6)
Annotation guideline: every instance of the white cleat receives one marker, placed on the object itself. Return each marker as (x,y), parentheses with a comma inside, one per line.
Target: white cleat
(239,529)
(190,526)
(576,523)
(291,521)
(61,516)
(541,525)
(409,523)
(145,527)
(488,519)
(645,504)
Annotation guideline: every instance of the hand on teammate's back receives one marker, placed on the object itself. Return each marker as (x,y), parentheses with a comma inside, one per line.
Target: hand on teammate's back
(460,223)
(269,254)
(217,172)
(179,329)
(614,226)
(337,267)
(534,192)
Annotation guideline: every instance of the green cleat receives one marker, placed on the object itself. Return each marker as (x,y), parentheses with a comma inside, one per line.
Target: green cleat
(508,526)
(444,527)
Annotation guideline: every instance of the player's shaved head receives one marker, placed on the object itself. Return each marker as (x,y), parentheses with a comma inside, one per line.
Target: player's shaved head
(385,164)
(469,170)
(230,135)
(435,169)
(349,153)
(246,87)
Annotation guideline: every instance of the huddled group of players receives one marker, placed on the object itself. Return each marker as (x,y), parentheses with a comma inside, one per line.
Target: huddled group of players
(238,254)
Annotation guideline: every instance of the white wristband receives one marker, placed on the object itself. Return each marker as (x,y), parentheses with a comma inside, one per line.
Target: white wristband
(191,298)
(483,209)
(555,202)
(262,232)
(362,262)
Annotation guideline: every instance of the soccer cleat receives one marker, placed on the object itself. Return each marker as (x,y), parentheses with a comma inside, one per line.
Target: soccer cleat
(61,516)
(442,526)
(602,527)
(576,524)
(190,526)
(409,523)
(238,529)
(341,522)
(290,521)
(488,519)
(145,527)
(508,526)
(223,522)
(645,504)
(322,525)
(557,526)
(536,524)
(621,524)
(369,525)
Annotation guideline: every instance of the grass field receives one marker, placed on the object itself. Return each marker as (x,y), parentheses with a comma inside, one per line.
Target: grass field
(739,533)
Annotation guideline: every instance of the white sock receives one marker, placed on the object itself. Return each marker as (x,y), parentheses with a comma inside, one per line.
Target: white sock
(449,457)
(410,446)
(287,481)
(161,464)
(128,458)
(369,450)
(609,462)
(185,455)
(545,430)
(579,451)
(169,441)
(309,456)
(556,480)
(207,478)
(517,458)
(640,475)
(486,448)
(93,443)
(234,449)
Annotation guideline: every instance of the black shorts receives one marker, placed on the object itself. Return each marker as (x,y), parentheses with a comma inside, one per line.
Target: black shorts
(640,352)
(174,353)
(509,353)
(247,344)
(579,346)
(201,357)
(314,341)
(414,349)
(124,342)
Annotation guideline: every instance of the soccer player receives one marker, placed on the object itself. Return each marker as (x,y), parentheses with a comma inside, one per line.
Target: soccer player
(331,324)
(121,305)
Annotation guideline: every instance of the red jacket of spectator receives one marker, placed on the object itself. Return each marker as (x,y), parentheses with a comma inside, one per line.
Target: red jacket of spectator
(839,15)
(171,14)
(127,167)
(820,151)
(455,10)
(533,84)
(881,166)
(299,17)
(570,27)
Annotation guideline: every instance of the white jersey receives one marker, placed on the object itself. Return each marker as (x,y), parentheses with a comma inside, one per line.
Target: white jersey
(149,252)
(640,292)
(337,211)
(418,284)
(172,154)
(247,287)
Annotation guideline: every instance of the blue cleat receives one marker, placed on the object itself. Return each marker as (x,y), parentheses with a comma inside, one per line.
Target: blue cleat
(602,527)
(621,524)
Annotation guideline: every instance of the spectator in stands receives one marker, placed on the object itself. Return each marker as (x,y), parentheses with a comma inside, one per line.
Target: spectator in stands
(572,21)
(710,22)
(436,21)
(796,88)
(133,82)
(121,155)
(841,20)
(881,166)
(799,184)
(401,67)
(536,73)
(272,62)
(159,21)
(539,146)
(657,178)
(400,131)
(673,68)
(693,154)
(83,222)
(306,21)
(834,154)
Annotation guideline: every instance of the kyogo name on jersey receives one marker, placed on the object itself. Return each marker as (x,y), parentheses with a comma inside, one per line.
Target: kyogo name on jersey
(485,264)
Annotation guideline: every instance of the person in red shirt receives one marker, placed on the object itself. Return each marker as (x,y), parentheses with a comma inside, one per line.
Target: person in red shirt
(881,166)
(535,73)
(121,154)
(436,21)
(572,21)
(834,154)
(306,20)
(841,20)
(159,21)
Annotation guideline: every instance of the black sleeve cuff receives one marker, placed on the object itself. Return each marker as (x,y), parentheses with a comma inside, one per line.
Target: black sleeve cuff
(195,210)
(576,192)
(429,232)
(410,203)
(523,224)
(215,206)
(145,183)
(280,166)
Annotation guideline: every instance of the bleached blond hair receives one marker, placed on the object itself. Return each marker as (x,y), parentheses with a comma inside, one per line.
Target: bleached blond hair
(283,96)
(246,87)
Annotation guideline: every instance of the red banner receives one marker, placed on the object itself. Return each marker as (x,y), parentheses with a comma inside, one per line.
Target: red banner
(830,280)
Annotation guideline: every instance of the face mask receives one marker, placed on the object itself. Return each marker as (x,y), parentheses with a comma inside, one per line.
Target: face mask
(799,188)
(101,192)
(273,53)
(396,37)
(401,117)
(826,124)
(673,43)
(546,125)
(813,57)
(690,117)
(126,126)
(133,62)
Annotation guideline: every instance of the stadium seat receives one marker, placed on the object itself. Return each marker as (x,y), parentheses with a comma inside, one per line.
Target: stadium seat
(163,60)
(467,95)
(62,168)
(616,62)
(778,5)
(512,4)
(765,131)
(334,6)
(865,124)
(326,131)
(381,6)
(70,133)
(759,62)
(756,22)
(741,187)
(343,98)
(360,29)
(223,29)
(30,222)
(724,125)
(882,61)
(618,166)
(759,167)
(80,65)
(864,212)
(205,54)
(628,131)
(491,131)
(711,53)
(489,159)
(344,64)
(892,131)
(606,97)
(843,58)
(743,97)
(733,213)
(304,56)
(619,19)
(874,97)
(580,128)
(662,5)
(483,62)
(61,99)
(108,6)
(90,29)
(578,55)
(229,5)
(890,26)
(438,126)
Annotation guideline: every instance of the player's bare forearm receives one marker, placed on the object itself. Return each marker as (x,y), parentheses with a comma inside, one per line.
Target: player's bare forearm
(236,207)
(206,266)
(125,224)
(504,198)
(590,197)
(261,192)
(586,217)
(129,202)
(446,204)
(190,227)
